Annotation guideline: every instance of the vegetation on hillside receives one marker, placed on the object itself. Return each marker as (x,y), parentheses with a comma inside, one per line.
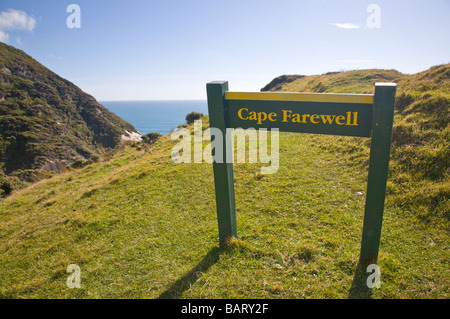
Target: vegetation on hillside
(420,154)
(140,226)
(193,116)
(45,120)
(277,83)
(357,81)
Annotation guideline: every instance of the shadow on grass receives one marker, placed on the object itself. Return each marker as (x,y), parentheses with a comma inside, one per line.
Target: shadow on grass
(359,288)
(182,284)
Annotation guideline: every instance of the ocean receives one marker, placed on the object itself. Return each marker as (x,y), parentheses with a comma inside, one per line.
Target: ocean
(155,116)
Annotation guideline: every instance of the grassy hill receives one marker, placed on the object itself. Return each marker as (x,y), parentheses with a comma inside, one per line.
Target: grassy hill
(140,226)
(420,156)
(47,122)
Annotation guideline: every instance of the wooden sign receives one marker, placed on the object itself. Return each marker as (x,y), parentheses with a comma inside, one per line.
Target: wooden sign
(300,112)
(361,115)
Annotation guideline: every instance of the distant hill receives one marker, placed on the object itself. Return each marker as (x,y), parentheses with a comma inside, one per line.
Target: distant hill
(360,81)
(46,121)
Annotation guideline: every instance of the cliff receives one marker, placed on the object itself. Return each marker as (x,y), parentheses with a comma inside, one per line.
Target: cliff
(47,121)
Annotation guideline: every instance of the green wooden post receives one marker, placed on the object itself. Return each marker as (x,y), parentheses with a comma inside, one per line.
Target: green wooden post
(383,115)
(223,171)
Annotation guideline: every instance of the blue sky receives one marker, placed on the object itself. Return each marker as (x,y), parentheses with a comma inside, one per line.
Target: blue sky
(169,50)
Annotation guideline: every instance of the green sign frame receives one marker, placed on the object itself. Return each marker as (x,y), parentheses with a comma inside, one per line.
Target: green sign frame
(361,115)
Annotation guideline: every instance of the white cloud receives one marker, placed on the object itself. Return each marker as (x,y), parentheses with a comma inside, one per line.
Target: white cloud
(12,20)
(346,25)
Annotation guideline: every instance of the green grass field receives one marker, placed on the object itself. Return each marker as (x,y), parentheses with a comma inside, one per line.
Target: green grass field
(140,226)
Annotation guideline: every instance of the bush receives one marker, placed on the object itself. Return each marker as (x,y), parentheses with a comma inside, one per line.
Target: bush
(151,137)
(32,175)
(8,184)
(95,158)
(79,163)
(191,117)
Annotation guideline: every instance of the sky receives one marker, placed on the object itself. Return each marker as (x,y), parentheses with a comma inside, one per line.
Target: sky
(170,49)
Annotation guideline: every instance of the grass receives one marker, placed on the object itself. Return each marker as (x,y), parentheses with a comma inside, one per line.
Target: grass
(420,153)
(141,226)
(357,81)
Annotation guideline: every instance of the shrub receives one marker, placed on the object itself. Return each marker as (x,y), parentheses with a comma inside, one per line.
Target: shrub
(151,137)
(32,175)
(79,163)
(8,184)
(191,117)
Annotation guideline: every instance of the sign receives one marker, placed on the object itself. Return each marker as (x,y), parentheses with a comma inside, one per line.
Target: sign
(361,115)
(300,112)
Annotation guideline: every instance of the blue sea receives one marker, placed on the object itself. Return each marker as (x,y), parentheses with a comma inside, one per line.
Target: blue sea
(155,116)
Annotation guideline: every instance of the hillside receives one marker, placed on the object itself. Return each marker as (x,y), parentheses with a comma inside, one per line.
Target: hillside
(140,226)
(358,81)
(46,121)
(420,155)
